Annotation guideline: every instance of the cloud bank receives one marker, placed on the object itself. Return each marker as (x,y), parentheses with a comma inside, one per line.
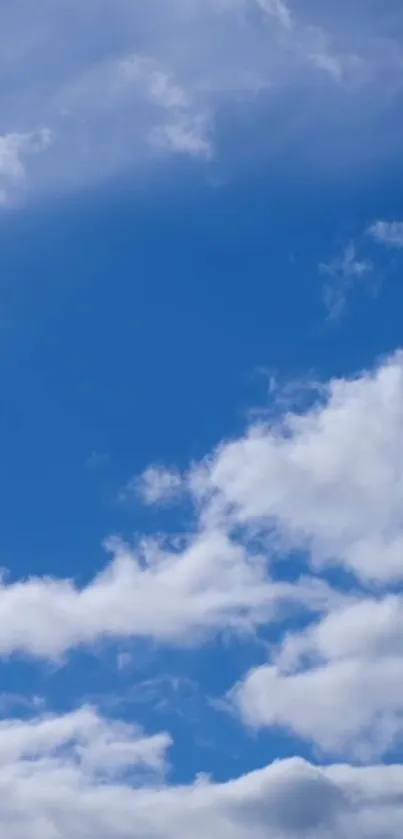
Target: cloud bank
(81,775)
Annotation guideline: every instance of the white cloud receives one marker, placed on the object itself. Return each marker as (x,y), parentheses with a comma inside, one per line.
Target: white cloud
(328,480)
(156,485)
(338,684)
(171,594)
(342,274)
(325,479)
(387,233)
(100,747)
(65,776)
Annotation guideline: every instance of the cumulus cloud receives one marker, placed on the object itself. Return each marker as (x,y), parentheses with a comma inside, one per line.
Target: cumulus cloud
(100,747)
(387,233)
(65,776)
(176,595)
(325,480)
(155,79)
(338,684)
(328,479)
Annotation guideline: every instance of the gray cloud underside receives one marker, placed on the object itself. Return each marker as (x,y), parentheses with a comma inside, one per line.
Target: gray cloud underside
(63,776)
(93,89)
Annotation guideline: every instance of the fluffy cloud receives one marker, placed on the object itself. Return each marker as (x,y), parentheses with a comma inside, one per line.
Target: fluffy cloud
(98,746)
(325,480)
(338,684)
(176,595)
(328,479)
(54,768)
(67,776)
(151,79)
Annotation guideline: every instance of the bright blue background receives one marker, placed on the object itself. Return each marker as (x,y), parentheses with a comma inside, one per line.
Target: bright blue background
(135,325)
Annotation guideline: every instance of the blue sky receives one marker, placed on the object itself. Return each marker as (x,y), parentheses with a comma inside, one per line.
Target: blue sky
(201,416)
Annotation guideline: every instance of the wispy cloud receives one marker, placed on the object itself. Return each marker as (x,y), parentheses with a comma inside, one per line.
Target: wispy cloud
(279,10)
(387,233)
(15,150)
(155,485)
(341,276)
